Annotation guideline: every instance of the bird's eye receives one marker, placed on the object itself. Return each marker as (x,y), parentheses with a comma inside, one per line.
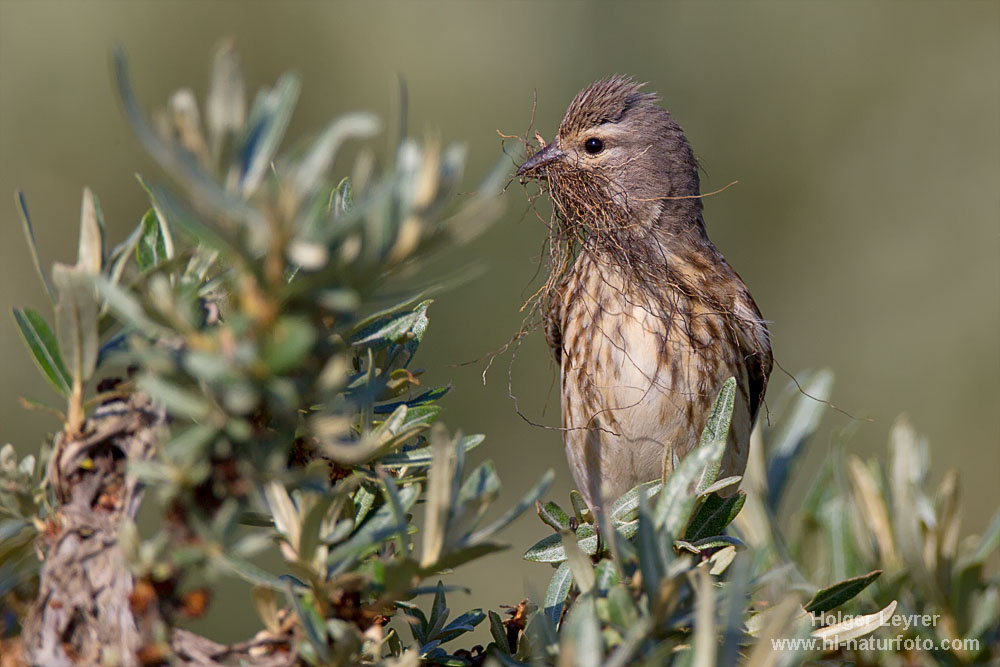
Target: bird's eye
(593,145)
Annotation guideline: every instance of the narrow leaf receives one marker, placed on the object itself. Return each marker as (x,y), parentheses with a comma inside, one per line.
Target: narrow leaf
(678,496)
(90,254)
(29,233)
(76,319)
(553,515)
(556,593)
(439,480)
(836,595)
(150,249)
(626,508)
(714,515)
(43,347)
(498,632)
(834,635)
(269,117)
(716,429)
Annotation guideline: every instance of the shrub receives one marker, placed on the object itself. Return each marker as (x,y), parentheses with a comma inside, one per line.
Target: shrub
(238,359)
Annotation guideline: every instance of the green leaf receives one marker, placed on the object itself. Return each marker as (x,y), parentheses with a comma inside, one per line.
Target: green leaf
(714,542)
(269,117)
(716,429)
(653,560)
(550,549)
(606,574)
(499,632)
(721,484)
(380,526)
(836,595)
(165,236)
(43,347)
(422,455)
(396,504)
(467,622)
(626,508)
(419,417)
(714,515)
(363,502)
(678,496)
(151,249)
(200,229)
(370,322)
(394,329)
(257,519)
(580,508)
(553,515)
(418,624)
(29,233)
(622,612)
(439,612)
(118,258)
(428,397)
(340,199)
(556,593)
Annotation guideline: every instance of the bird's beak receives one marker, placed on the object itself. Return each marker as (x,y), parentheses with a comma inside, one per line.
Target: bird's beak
(550,153)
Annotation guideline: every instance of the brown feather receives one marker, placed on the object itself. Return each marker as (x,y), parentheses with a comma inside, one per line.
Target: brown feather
(645,317)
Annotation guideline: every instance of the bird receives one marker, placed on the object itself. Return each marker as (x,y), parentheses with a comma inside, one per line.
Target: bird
(642,313)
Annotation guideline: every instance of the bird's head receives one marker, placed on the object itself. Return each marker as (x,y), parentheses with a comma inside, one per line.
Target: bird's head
(618,159)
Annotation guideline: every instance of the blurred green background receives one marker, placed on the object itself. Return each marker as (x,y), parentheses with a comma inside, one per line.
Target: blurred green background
(865,138)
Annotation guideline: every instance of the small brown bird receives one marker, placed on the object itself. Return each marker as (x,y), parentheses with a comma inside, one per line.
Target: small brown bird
(642,312)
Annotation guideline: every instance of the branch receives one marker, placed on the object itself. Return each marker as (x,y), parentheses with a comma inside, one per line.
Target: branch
(86,612)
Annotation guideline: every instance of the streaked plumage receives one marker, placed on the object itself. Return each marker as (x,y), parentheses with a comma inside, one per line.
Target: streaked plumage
(644,315)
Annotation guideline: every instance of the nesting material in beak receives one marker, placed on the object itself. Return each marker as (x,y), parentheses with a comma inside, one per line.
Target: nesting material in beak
(547,155)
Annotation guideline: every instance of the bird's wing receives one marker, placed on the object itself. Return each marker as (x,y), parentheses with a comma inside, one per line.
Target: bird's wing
(553,332)
(755,346)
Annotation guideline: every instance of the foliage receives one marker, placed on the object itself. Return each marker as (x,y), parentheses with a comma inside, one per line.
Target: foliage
(254,308)
(668,585)
(249,308)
